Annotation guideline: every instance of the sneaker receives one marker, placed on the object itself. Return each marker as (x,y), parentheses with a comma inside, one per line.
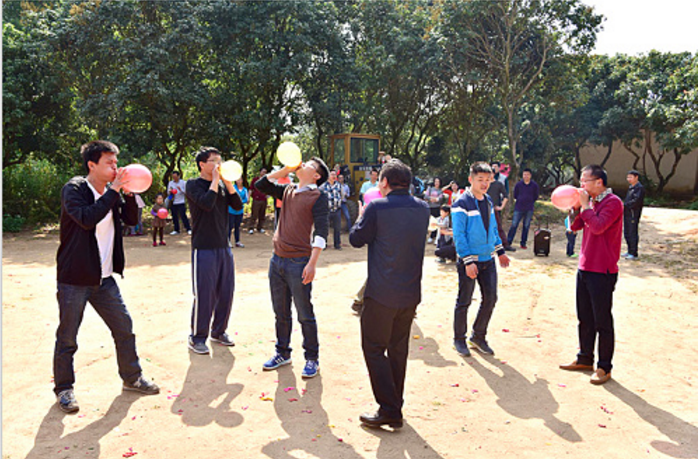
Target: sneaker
(261,230)
(238,244)
(523,246)
(357,306)
(155,244)
(440,260)
(430,240)
(480,345)
(67,402)
(174,233)
(462,348)
(189,231)
(625,255)
(631,257)
(276,361)
(573,255)
(197,348)
(161,243)
(338,248)
(251,231)
(143,386)
(510,248)
(310,369)
(222,339)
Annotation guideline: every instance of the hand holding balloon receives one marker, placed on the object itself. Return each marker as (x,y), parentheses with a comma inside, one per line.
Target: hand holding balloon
(231,170)
(289,154)
(565,197)
(137,178)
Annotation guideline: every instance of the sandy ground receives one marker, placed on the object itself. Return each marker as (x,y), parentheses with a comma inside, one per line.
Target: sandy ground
(518,404)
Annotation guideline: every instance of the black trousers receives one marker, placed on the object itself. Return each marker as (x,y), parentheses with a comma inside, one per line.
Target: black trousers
(631,231)
(385,336)
(594,295)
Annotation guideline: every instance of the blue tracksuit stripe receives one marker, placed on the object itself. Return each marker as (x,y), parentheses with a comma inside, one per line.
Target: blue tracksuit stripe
(471,240)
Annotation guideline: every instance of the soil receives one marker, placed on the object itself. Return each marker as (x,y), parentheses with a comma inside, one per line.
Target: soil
(516,404)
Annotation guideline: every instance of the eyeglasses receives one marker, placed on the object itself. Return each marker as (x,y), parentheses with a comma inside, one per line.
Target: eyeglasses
(589,180)
(217,161)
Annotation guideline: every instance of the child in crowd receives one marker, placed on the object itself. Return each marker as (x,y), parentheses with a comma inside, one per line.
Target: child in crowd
(570,235)
(444,235)
(158,223)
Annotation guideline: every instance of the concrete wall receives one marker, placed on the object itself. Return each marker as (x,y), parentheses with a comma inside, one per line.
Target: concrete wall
(682,184)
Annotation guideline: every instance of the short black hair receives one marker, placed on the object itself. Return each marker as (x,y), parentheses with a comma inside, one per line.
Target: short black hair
(178,172)
(92,151)
(527,169)
(495,162)
(598,172)
(445,208)
(398,174)
(633,172)
(203,155)
(161,195)
(374,170)
(322,170)
(480,168)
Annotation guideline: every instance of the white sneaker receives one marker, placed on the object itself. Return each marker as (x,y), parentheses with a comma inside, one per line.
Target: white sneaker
(430,240)
(251,231)
(189,231)
(174,233)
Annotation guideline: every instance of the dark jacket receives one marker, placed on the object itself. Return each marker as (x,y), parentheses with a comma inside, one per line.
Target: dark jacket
(634,201)
(210,213)
(78,258)
(394,228)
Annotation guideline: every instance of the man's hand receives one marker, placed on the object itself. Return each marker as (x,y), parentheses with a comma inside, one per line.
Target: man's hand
(472,271)
(120,180)
(307,276)
(584,199)
(504,261)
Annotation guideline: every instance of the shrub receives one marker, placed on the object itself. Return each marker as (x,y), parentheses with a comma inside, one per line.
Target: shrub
(12,223)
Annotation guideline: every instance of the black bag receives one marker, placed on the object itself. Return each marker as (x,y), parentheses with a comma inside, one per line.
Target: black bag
(542,241)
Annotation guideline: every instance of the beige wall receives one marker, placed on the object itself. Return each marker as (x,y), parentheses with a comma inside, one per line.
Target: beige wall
(682,184)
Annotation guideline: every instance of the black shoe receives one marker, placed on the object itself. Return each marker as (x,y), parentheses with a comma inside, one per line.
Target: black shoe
(357,307)
(462,349)
(378,420)
(510,248)
(143,386)
(480,345)
(222,339)
(67,402)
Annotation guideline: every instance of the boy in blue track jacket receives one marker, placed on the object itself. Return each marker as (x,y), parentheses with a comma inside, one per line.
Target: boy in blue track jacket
(475,233)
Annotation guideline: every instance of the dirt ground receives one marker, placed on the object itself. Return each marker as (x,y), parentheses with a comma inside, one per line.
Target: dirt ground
(516,404)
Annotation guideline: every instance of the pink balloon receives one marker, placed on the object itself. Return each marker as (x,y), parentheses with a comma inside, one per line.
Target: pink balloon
(139,178)
(371,195)
(565,197)
(163,213)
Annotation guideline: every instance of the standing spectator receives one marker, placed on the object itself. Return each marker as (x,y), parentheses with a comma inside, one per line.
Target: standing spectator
(476,238)
(444,233)
(435,199)
(525,194)
(235,217)
(345,194)
(333,193)
(213,278)
(293,263)
(453,192)
(600,218)
(137,230)
(278,202)
(176,187)
(570,234)
(634,201)
(499,197)
(158,223)
(393,228)
(91,250)
(367,185)
(498,176)
(257,209)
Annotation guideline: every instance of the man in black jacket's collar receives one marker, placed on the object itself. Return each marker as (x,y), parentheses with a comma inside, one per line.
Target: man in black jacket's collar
(89,253)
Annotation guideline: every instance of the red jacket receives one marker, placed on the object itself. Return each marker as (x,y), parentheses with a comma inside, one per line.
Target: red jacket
(602,235)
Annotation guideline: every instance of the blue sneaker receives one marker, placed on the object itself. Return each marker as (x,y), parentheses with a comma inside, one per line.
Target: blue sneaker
(276,361)
(310,369)
(480,345)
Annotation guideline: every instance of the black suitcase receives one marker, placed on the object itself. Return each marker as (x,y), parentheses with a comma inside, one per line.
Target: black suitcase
(542,239)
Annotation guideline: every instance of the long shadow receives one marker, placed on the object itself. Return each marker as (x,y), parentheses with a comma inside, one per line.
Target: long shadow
(50,441)
(305,421)
(524,399)
(683,435)
(429,354)
(402,443)
(204,384)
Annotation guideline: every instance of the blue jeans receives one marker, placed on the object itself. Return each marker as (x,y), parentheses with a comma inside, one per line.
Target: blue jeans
(179,211)
(334,222)
(107,301)
(488,283)
(346,213)
(570,242)
(519,216)
(234,224)
(285,285)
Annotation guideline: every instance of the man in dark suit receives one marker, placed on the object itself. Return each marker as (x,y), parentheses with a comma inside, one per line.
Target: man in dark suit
(393,227)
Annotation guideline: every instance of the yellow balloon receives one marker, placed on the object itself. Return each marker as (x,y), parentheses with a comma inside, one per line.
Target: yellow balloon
(289,154)
(231,170)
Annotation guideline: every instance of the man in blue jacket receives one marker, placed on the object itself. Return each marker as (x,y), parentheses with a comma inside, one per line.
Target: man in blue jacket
(393,227)
(91,250)
(475,233)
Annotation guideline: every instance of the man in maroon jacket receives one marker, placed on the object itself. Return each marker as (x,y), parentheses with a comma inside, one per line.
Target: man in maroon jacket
(599,215)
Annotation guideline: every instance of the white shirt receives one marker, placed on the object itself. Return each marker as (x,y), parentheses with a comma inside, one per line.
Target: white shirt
(180,187)
(104,232)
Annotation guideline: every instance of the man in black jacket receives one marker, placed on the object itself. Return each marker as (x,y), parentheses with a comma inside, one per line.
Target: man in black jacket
(394,229)
(209,197)
(634,201)
(90,251)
